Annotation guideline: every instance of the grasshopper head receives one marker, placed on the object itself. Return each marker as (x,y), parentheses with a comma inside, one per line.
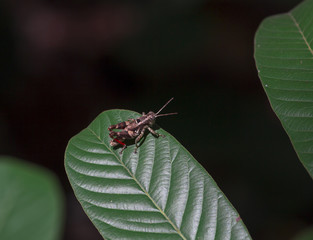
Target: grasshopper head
(151,117)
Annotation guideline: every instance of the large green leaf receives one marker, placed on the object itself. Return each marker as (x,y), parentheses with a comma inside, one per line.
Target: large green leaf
(159,193)
(284,59)
(31,204)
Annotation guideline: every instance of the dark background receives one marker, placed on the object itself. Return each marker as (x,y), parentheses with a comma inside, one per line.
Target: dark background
(64,62)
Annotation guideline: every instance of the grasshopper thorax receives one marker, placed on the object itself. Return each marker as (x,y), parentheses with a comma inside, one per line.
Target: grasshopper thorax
(147,119)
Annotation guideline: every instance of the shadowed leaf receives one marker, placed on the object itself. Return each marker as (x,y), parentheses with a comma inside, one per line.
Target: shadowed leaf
(284,59)
(31,203)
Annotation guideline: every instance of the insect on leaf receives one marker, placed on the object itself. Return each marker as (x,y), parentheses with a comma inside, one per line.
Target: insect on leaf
(161,192)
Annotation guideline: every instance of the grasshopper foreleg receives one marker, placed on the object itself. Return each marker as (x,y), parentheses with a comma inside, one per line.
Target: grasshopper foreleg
(142,133)
(154,132)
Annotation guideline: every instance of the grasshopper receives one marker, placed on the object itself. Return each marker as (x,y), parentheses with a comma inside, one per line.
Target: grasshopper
(135,128)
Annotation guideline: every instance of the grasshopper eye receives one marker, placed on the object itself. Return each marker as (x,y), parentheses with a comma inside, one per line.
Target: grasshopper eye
(138,120)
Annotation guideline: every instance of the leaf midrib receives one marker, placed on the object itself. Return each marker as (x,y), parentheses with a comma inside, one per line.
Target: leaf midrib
(301,32)
(141,187)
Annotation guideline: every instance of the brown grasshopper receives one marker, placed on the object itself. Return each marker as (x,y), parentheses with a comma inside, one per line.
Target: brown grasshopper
(135,128)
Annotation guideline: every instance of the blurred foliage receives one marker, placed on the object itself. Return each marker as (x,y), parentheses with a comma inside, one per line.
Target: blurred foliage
(306,234)
(31,202)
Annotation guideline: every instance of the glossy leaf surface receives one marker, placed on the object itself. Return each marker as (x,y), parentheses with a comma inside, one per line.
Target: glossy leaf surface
(284,59)
(31,204)
(159,193)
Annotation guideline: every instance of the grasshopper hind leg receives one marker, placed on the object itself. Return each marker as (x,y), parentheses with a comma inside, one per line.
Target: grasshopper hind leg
(139,137)
(116,142)
(123,148)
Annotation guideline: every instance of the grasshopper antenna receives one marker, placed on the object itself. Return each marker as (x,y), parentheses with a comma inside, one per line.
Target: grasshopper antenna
(166,114)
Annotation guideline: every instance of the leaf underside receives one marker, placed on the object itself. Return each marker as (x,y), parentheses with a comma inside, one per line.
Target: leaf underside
(159,193)
(284,59)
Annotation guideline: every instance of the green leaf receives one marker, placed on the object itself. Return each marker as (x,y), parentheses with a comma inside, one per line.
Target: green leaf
(31,202)
(284,59)
(159,193)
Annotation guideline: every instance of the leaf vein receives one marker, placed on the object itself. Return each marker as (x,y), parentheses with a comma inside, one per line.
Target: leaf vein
(142,188)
